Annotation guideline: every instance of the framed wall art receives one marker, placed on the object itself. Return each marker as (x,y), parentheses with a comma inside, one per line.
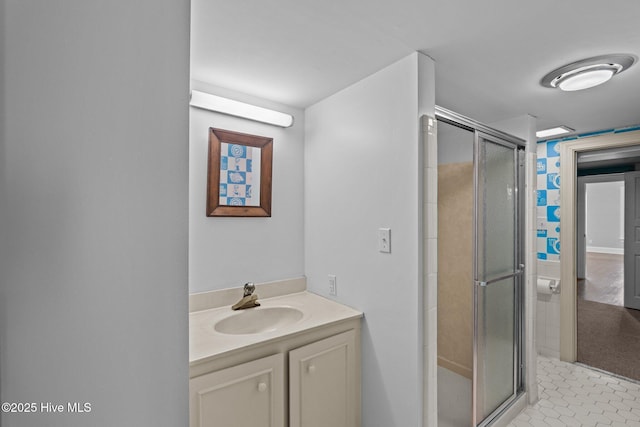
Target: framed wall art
(239,174)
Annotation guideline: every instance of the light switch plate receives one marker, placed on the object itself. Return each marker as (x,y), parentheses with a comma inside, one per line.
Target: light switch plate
(384,240)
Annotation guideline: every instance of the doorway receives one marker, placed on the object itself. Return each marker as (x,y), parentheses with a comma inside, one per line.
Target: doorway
(480,271)
(608,333)
(569,152)
(600,231)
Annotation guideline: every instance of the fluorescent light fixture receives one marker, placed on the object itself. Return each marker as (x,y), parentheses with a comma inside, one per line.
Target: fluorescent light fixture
(240,109)
(588,72)
(560,130)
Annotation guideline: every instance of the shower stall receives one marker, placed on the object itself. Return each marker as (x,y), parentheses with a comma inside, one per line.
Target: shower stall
(480,271)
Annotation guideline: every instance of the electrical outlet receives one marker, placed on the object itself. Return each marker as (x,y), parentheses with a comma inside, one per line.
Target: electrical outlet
(333,286)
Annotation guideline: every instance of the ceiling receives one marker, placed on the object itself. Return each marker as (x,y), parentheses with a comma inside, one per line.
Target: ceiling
(490,55)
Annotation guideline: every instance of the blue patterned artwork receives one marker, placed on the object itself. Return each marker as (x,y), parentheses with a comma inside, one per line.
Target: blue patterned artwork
(239,175)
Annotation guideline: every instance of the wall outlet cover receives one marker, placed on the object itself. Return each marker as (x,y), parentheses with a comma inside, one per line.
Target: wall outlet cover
(333,286)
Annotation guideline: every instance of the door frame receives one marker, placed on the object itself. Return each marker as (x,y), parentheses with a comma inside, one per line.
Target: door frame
(631,189)
(568,251)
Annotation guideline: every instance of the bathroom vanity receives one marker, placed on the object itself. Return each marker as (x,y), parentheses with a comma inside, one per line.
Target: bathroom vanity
(294,361)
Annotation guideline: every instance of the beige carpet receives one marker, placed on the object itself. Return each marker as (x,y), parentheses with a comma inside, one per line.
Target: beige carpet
(609,338)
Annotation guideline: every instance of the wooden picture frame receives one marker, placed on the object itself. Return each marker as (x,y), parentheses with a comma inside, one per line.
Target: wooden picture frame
(239,174)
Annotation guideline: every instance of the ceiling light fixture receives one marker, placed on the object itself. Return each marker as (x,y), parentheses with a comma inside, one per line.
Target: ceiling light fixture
(588,72)
(240,109)
(559,130)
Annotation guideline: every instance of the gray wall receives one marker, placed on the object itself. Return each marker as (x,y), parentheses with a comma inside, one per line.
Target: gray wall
(94,186)
(604,210)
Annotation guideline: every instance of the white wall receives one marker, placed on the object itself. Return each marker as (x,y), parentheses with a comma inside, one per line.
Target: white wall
(93,296)
(228,252)
(605,217)
(548,314)
(363,172)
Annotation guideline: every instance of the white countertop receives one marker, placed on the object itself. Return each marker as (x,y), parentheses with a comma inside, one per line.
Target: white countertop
(206,343)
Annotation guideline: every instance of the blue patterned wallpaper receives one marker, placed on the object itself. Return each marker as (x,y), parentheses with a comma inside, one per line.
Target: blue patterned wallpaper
(548,205)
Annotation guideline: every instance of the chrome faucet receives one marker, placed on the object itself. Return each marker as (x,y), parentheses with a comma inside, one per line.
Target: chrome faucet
(249,299)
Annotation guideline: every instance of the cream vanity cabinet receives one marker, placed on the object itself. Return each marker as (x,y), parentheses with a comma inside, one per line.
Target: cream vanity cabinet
(323,382)
(247,395)
(312,381)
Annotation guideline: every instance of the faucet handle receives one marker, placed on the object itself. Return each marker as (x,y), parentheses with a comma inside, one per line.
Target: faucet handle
(249,288)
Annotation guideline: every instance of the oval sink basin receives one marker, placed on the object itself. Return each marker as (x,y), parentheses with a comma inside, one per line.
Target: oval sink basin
(257,320)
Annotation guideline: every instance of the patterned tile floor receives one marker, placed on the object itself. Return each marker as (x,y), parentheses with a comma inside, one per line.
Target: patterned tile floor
(572,395)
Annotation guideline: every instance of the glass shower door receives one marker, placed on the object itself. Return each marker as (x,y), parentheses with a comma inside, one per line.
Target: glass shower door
(498,277)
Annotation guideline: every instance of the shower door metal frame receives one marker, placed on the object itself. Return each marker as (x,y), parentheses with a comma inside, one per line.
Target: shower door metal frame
(493,135)
(517,275)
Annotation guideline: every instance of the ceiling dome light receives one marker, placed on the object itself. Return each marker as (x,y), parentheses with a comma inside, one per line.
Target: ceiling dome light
(588,72)
(584,79)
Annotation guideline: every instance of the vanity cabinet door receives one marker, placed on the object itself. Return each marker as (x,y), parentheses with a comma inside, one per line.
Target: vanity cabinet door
(324,381)
(247,395)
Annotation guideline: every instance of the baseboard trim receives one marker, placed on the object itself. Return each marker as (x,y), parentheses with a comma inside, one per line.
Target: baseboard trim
(603,250)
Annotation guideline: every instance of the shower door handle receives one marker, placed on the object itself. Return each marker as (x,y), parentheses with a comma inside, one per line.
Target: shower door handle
(518,272)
